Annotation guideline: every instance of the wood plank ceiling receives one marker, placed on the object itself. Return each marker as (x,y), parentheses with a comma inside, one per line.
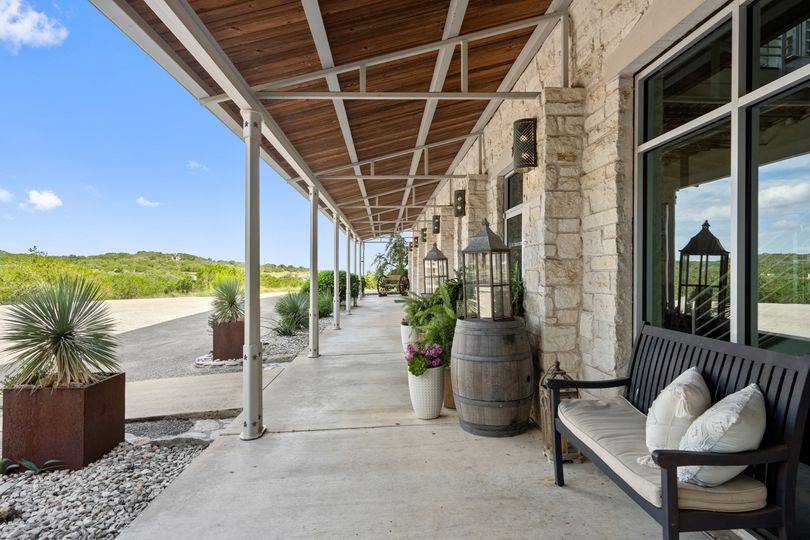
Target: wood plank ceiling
(268,40)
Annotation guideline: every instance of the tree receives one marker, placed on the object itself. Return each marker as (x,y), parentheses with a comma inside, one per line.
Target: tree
(393,258)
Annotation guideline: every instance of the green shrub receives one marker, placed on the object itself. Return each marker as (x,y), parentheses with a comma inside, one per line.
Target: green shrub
(326,284)
(284,328)
(293,308)
(325,306)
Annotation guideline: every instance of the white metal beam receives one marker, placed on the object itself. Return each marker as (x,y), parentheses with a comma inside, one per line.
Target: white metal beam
(394,177)
(187,27)
(348,272)
(387,192)
(318,31)
(336,276)
(449,40)
(394,96)
(544,28)
(452,27)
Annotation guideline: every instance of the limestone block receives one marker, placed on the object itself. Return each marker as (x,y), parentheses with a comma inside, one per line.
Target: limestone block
(567,297)
(558,338)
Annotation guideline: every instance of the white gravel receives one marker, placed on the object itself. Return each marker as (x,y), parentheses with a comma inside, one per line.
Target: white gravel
(95,502)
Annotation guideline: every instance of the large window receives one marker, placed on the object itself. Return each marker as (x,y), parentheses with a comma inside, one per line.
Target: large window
(513,216)
(723,179)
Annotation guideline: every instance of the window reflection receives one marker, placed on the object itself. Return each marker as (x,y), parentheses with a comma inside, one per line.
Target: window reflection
(780,31)
(781,174)
(688,233)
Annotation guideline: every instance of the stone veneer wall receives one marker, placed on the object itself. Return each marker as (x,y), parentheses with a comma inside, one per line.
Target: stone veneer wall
(577,215)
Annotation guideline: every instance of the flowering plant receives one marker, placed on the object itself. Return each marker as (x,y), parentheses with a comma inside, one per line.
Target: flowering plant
(420,360)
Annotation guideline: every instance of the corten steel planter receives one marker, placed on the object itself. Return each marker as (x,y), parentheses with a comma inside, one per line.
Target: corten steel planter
(73,425)
(229,339)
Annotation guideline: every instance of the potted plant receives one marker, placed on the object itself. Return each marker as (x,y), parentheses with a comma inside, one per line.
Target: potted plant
(426,380)
(407,333)
(64,396)
(228,318)
(438,325)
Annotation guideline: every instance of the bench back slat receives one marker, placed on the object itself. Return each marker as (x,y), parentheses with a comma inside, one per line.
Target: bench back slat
(660,355)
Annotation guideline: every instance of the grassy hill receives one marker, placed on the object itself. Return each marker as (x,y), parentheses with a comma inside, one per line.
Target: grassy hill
(145,274)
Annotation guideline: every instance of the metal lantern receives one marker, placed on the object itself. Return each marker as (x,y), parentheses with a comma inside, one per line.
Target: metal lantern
(570,453)
(487,263)
(423,234)
(459,203)
(703,296)
(435,270)
(437,224)
(524,144)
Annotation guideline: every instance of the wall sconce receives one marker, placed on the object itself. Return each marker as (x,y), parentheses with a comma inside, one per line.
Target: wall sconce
(459,203)
(437,224)
(423,235)
(524,144)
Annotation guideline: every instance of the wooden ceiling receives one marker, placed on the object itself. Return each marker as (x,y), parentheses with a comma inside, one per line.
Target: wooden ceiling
(269,40)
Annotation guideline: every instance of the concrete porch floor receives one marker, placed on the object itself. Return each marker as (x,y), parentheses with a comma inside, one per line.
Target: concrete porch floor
(344,456)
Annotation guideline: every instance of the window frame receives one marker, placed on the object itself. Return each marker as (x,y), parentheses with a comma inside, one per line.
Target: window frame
(744,231)
(516,210)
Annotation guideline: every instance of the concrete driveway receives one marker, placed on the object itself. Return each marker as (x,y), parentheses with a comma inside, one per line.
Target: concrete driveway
(161,337)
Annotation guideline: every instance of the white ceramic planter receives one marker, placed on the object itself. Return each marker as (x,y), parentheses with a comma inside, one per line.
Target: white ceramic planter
(408,335)
(427,393)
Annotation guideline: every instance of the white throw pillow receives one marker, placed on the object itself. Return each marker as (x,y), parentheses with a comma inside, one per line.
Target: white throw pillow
(674,410)
(736,423)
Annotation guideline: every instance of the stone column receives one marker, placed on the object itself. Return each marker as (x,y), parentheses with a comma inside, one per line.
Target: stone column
(470,224)
(552,253)
(446,239)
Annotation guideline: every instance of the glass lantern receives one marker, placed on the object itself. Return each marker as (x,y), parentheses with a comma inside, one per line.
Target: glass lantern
(436,271)
(487,263)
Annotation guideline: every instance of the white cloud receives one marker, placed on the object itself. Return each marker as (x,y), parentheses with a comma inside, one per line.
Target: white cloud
(42,200)
(143,201)
(5,196)
(787,194)
(197,166)
(22,25)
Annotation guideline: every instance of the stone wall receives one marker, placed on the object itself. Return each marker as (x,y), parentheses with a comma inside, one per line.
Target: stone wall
(577,215)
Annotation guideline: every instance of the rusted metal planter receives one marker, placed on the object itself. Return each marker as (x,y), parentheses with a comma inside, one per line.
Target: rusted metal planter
(73,425)
(229,338)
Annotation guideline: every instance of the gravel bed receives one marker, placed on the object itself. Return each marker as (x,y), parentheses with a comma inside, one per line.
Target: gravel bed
(159,428)
(95,502)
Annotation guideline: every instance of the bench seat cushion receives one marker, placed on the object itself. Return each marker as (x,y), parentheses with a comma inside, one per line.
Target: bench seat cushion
(614,430)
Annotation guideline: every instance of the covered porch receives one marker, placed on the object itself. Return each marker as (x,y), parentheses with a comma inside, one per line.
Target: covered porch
(344,456)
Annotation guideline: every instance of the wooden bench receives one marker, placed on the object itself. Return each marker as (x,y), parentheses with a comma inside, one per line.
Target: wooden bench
(659,356)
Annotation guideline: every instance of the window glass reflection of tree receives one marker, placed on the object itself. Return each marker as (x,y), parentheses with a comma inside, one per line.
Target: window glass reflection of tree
(781,183)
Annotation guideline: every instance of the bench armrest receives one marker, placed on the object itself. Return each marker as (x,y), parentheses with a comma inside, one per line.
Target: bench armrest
(552,384)
(670,459)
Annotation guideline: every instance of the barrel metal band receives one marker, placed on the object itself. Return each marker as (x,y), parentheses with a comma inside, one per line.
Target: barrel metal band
(492,404)
(502,358)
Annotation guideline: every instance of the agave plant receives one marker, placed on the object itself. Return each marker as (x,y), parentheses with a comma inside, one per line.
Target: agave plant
(60,334)
(229,301)
(293,308)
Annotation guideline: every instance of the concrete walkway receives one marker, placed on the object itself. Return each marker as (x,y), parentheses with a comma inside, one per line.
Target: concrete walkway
(345,457)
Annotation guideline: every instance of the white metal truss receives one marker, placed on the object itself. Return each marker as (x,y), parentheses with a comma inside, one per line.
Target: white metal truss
(452,27)
(449,40)
(387,192)
(395,96)
(318,31)
(393,177)
(185,24)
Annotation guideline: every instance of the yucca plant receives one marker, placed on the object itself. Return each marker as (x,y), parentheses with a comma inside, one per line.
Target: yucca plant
(60,334)
(293,308)
(229,301)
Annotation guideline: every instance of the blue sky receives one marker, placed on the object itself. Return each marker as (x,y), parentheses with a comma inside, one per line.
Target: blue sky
(101,150)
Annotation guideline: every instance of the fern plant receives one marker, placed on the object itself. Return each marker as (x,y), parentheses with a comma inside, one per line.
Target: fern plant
(229,301)
(60,334)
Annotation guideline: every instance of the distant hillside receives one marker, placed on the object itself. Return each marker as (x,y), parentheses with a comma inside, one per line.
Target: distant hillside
(144,274)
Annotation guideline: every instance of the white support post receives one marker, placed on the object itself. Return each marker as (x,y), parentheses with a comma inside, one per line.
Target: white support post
(336,276)
(252,425)
(314,329)
(356,262)
(362,268)
(348,271)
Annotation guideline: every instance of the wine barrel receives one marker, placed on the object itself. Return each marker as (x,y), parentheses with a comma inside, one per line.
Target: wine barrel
(493,377)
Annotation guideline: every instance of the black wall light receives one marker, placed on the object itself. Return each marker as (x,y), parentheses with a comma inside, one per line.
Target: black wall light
(524,144)
(437,224)
(459,203)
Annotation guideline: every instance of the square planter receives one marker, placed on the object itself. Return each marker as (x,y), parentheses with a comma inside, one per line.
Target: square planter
(74,425)
(229,339)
